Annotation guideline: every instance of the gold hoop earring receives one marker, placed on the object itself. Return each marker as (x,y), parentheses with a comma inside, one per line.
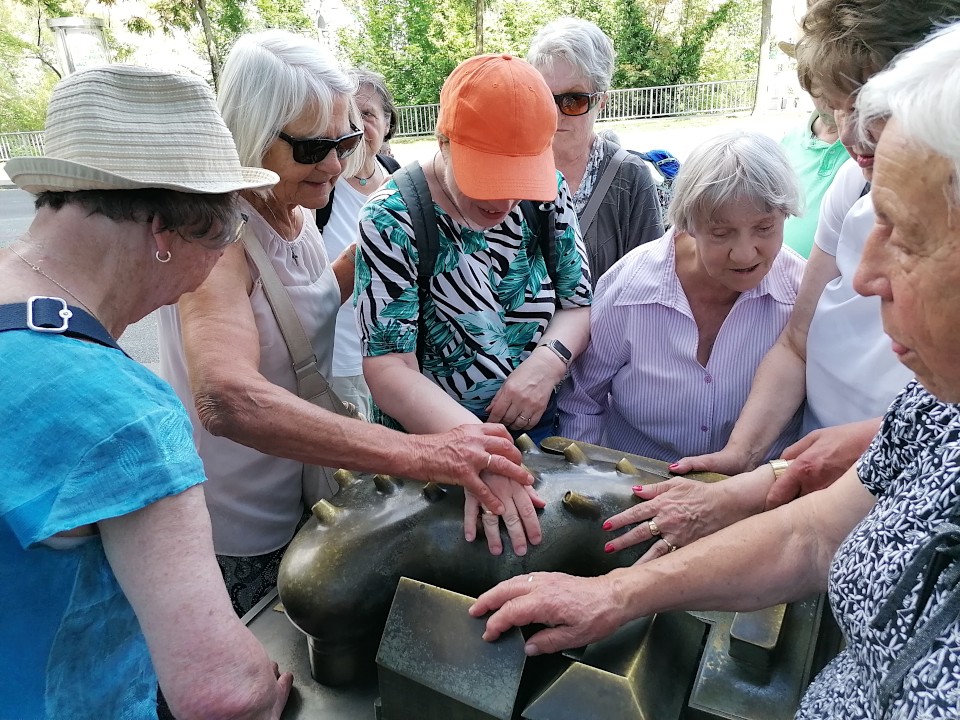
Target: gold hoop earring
(163,259)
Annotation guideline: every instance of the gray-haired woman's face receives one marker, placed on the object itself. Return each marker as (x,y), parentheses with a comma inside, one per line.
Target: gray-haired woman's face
(912,260)
(738,245)
(376,122)
(574,132)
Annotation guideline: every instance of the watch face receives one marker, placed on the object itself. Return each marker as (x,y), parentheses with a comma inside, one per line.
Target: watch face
(561,348)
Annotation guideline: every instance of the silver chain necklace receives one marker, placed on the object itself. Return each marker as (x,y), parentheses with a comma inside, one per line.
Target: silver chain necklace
(37,269)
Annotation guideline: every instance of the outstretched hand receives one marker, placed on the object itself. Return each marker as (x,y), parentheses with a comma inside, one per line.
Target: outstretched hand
(820,458)
(460,456)
(578,610)
(676,512)
(519,516)
(725,462)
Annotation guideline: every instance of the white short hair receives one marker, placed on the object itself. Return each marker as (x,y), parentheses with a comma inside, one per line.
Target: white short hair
(581,43)
(269,80)
(733,166)
(921,91)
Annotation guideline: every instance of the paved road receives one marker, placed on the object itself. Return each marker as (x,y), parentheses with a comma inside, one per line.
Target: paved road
(678,136)
(16,211)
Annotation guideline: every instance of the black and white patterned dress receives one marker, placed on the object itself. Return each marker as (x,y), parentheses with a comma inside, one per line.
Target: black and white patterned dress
(913,468)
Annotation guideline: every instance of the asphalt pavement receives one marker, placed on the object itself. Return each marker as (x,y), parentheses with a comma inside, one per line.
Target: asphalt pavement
(16,212)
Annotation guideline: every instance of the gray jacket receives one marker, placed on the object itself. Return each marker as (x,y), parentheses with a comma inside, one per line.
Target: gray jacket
(628,216)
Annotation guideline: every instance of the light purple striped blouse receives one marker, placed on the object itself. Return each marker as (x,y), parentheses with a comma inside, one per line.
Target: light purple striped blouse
(638,387)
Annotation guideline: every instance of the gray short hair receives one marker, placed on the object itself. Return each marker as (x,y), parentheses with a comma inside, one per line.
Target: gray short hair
(269,80)
(363,76)
(579,42)
(733,166)
(921,91)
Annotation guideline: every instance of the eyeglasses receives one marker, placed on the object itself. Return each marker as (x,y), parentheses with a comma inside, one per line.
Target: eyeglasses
(576,103)
(310,151)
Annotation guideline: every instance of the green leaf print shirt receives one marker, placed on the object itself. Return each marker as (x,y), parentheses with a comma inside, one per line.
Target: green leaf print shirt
(490,301)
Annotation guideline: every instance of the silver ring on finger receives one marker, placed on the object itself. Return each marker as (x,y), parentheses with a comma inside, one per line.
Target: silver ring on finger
(670,546)
(530,578)
(485,512)
(653,527)
(489,459)
(523,418)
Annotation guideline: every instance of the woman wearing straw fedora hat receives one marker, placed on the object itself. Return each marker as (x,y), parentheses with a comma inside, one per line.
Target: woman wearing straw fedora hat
(487,330)
(102,504)
(289,108)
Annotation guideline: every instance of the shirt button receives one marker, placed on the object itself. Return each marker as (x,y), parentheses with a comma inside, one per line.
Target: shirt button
(708,379)
(703,428)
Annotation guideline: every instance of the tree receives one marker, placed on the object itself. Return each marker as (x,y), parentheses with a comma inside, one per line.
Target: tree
(764,65)
(221,22)
(414,44)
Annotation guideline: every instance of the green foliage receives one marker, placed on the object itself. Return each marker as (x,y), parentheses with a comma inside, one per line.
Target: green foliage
(416,43)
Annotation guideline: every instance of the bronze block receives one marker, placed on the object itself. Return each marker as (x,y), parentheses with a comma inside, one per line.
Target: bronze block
(433,664)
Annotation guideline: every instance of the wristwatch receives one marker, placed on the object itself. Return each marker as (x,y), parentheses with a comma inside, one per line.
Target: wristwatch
(560,350)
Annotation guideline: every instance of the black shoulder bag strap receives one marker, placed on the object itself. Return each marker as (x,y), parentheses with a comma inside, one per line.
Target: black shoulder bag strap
(415,192)
(53,315)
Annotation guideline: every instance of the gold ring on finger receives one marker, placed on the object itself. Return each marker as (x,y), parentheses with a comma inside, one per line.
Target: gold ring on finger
(670,546)
(653,527)
(523,418)
(489,459)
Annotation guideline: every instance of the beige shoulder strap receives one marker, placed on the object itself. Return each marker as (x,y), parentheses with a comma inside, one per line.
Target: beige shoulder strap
(311,384)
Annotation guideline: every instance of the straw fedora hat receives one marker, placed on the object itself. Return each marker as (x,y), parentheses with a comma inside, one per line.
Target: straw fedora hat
(122,127)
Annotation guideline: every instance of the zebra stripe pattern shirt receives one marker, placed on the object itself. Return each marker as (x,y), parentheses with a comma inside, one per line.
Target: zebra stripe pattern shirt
(491,297)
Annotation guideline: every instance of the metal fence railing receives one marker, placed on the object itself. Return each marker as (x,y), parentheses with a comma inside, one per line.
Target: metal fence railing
(630,104)
(20,144)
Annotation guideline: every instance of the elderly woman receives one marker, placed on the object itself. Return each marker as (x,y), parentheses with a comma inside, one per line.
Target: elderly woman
(337,221)
(834,335)
(679,326)
(288,107)
(833,353)
(497,324)
(108,578)
(883,539)
(615,197)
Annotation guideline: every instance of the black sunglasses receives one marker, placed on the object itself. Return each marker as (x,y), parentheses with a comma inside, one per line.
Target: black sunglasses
(310,151)
(576,103)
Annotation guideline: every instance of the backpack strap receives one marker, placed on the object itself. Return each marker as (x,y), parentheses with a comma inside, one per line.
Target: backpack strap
(542,220)
(53,315)
(412,184)
(600,190)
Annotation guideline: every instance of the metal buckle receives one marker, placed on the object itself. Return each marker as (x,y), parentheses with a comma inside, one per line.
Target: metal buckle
(64,314)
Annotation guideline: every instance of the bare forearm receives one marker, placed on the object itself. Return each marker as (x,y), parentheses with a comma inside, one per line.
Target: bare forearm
(268,418)
(779,388)
(412,399)
(776,556)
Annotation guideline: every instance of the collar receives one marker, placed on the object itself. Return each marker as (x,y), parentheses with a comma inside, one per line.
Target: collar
(651,277)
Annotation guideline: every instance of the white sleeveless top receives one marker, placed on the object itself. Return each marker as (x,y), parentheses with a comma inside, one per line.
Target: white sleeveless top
(254,499)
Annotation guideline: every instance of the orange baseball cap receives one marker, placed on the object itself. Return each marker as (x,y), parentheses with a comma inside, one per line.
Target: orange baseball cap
(500,117)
